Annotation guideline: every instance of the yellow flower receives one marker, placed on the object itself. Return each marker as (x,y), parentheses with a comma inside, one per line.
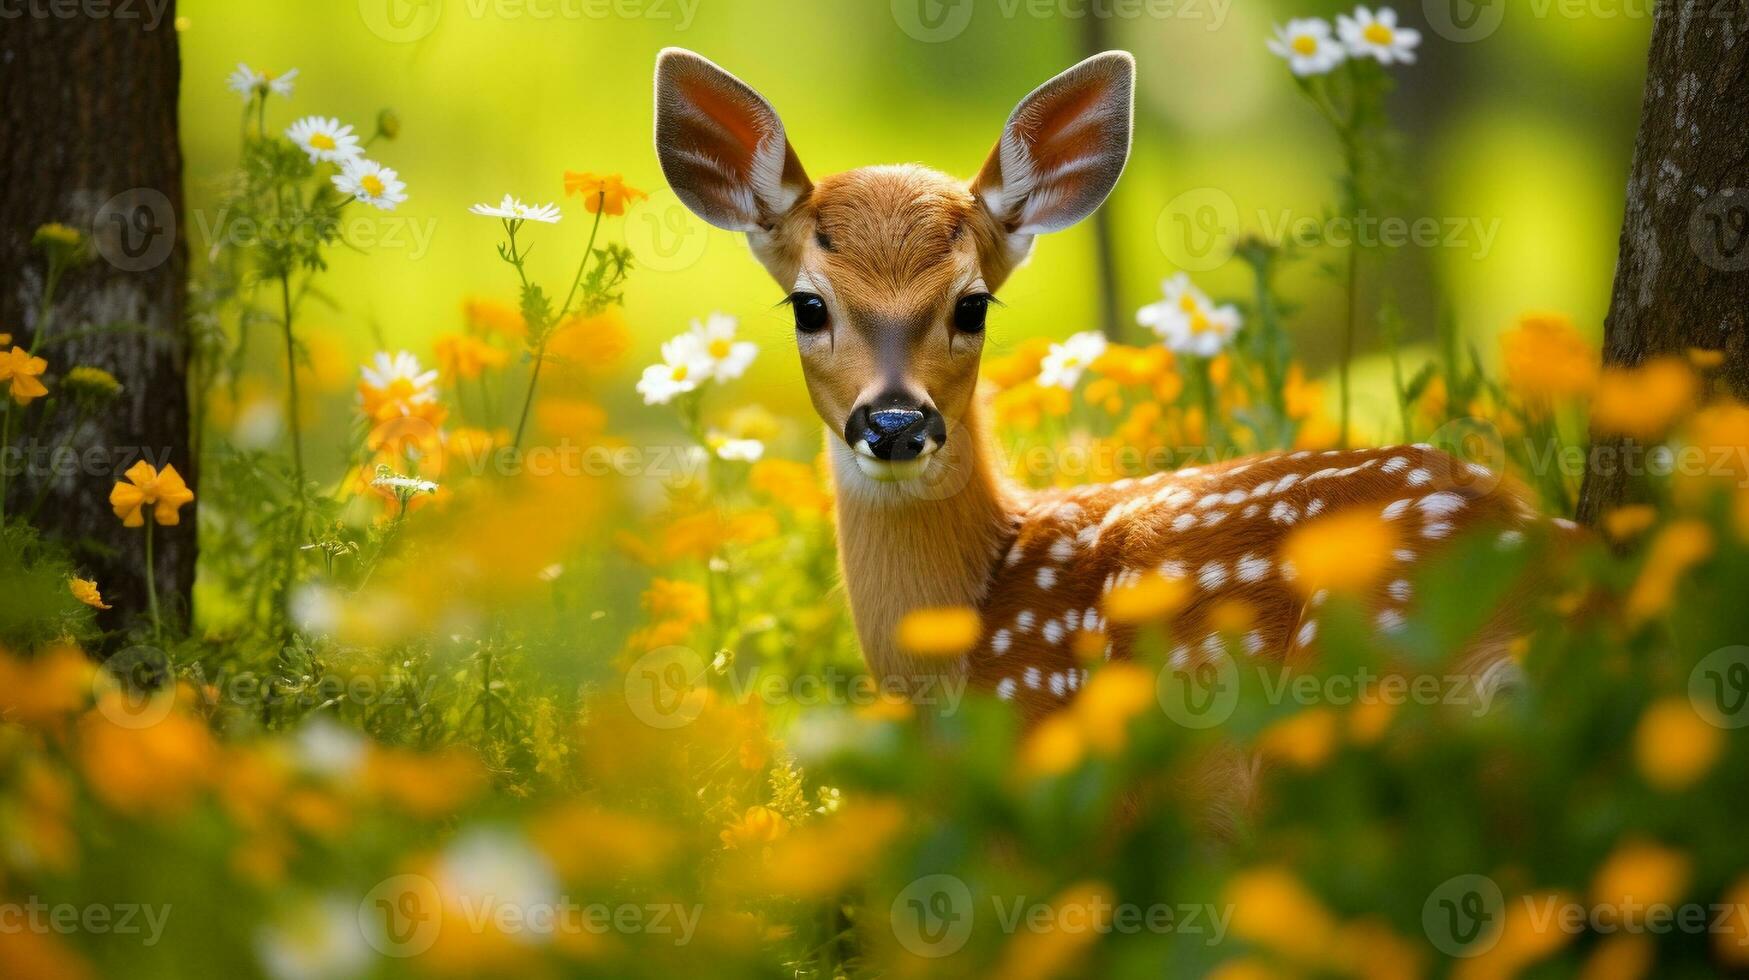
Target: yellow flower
(1644,402)
(1623,956)
(1547,358)
(1054,747)
(795,485)
(462,356)
(157,769)
(605,193)
(92,382)
(1705,359)
(1020,366)
(1344,552)
(145,485)
(24,373)
(1731,941)
(1527,935)
(1150,598)
(684,602)
(1677,548)
(1080,917)
(1624,523)
(1272,909)
(759,825)
(943,632)
(485,316)
(1304,739)
(1641,873)
(85,590)
(1115,694)
(1674,745)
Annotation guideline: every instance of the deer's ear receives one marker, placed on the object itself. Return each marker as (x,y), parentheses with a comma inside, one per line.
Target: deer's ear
(721,145)
(1063,148)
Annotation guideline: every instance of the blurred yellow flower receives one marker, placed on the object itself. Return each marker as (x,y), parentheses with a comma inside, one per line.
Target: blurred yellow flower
(1705,359)
(1020,366)
(1346,551)
(1272,909)
(1624,523)
(759,825)
(462,356)
(157,768)
(1302,398)
(1639,873)
(1674,745)
(1677,548)
(24,375)
(1546,359)
(1624,956)
(1731,941)
(1644,402)
(685,602)
(590,344)
(1079,916)
(794,485)
(1527,934)
(485,316)
(947,631)
(604,193)
(145,486)
(1304,739)
(1114,694)
(85,590)
(45,689)
(1053,747)
(1148,599)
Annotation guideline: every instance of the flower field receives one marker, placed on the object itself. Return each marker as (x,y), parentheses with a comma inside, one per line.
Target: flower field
(513,655)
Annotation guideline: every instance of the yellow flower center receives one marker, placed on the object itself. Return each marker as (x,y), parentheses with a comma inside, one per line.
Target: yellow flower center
(372,184)
(679,373)
(1200,324)
(1306,44)
(322,141)
(1378,33)
(720,348)
(1187,303)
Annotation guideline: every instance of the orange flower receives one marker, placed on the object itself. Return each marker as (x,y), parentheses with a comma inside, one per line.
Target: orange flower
(1644,402)
(24,372)
(462,356)
(606,193)
(146,485)
(759,825)
(1347,552)
(85,590)
(1547,358)
(485,316)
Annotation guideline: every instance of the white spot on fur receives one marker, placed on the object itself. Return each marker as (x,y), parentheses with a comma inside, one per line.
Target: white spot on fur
(1059,684)
(1308,633)
(1252,568)
(1283,512)
(1184,522)
(1395,508)
(1401,590)
(1053,632)
(1212,576)
(1005,689)
(1437,530)
(1389,620)
(1418,477)
(1394,465)
(1254,642)
(1031,677)
(1062,548)
(1046,577)
(1000,641)
(1441,504)
(1023,622)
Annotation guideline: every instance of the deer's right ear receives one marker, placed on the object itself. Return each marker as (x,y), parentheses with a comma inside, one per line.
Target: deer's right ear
(721,145)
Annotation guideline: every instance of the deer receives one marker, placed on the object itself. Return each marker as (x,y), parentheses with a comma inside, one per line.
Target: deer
(889,274)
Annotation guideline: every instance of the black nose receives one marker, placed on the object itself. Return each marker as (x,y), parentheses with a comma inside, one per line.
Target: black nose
(895,429)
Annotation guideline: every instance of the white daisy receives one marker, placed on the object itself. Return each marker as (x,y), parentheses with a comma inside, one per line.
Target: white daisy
(1370,35)
(685,365)
(737,450)
(1308,46)
(398,376)
(404,486)
(729,357)
(1206,332)
(315,939)
(248,82)
(1181,301)
(324,139)
(371,182)
(512,209)
(1062,366)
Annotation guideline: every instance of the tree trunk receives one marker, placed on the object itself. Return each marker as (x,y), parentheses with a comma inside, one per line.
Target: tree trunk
(89,140)
(1682,278)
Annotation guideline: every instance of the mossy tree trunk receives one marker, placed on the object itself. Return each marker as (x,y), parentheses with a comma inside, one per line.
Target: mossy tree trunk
(1682,279)
(89,111)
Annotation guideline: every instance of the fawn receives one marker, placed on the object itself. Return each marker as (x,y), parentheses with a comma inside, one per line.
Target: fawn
(890,271)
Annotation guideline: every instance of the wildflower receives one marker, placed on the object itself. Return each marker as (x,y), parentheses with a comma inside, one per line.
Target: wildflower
(248,82)
(1705,359)
(1116,693)
(1150,598)
(795,485)
(1526,936)
(1674,745)
(1346,552)
(90,383)
(154,769)
(61,244)
(1020,366)
(314,939)
(46,688)
(1624,523)
(1641,873)
(401,489)
(1304,739)
(1546,359)
(729,357)
(1644,402)
(394,381)
(1063,365)
(1187,321)
(736,450)
(146,485)
(677,600)
(1054,747)
(324,139)
(85,590)
(462,356)
(372,183)
(1677,548)
(1301,398)
(940,632)
(607,194)
(759,825)
(1079,916)
(1731,941)
(1370,35)
(512,209)
(1273,909)
(486,316)
(685,365)
(23,374)
(1308,47)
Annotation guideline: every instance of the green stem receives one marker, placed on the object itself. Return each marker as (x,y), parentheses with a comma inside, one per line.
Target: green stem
(540,354)
(152,585)
(5,458)
(588,250)
(1348,331)
(291,377)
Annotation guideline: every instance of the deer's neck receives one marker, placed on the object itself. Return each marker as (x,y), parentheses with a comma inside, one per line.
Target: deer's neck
(919,544)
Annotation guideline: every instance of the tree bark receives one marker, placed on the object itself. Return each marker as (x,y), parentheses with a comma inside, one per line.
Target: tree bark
(88,97)
(1682,278)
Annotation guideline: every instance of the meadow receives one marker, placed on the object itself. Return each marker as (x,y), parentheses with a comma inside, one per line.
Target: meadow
(516,647)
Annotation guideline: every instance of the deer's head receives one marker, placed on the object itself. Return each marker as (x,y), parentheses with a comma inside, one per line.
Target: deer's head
(890,270)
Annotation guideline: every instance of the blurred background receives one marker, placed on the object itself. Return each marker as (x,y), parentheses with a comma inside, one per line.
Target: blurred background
(1519,127)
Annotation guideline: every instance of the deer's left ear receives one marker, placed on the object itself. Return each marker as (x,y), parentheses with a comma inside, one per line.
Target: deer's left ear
(1063,148)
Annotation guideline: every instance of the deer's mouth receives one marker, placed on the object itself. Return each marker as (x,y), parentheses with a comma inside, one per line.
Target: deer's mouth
(894,470)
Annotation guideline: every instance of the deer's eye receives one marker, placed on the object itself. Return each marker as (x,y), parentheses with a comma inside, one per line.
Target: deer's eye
(810,312)
(968,313)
